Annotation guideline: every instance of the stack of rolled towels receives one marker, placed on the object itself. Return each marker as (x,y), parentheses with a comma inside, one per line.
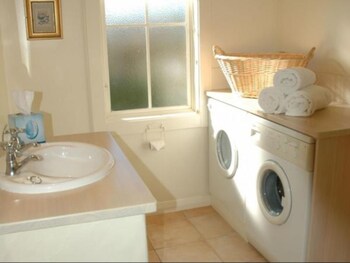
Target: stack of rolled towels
(294,93)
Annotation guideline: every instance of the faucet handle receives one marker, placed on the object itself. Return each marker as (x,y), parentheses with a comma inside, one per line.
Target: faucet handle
(7,146)
(12,131)
(15,141)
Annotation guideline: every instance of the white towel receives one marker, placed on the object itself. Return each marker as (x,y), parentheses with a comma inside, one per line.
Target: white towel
(271,100)
(306,101)
(293,79)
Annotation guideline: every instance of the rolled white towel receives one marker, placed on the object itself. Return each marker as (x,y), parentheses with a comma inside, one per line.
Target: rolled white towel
(306,101)
(271,100)
(292,79)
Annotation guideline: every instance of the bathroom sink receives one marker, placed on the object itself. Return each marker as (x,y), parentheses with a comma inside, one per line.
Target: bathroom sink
(63,166)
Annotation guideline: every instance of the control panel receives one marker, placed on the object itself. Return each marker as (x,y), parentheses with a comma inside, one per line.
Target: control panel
(283,145)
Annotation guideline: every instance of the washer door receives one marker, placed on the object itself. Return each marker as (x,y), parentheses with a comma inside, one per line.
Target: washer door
(226,153)
(274,193)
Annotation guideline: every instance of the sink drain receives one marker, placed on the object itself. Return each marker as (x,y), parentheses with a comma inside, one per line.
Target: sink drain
(35,179)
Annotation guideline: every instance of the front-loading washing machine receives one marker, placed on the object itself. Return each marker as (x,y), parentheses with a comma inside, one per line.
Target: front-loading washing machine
(279,187)
(228,131)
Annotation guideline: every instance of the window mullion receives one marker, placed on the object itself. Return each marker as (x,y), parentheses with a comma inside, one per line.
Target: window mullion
(148,59)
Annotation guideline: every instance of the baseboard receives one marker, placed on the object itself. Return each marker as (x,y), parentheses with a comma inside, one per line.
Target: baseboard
(183,204)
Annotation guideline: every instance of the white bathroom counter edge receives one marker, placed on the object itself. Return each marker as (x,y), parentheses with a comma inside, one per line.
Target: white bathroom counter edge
(121,193)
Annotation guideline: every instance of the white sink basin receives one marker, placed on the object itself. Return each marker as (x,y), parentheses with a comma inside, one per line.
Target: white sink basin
(64,166)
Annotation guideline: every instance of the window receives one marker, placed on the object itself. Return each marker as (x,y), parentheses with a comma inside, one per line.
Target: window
(150,47)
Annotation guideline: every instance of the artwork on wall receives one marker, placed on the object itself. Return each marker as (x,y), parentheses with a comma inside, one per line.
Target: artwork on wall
(43,19)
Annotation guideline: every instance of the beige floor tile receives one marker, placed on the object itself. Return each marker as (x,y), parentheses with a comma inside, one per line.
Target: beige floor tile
(172,233)
(153,257)
(233,248)
(196,235)
(164,218)
(199,211)
(191,252)
(211,225)
(149,244)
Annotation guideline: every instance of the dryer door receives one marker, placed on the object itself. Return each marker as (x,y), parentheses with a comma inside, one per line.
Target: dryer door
(274,193)
(227,154)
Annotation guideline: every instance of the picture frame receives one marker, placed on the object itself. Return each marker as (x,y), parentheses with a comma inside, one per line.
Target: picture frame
(43,19)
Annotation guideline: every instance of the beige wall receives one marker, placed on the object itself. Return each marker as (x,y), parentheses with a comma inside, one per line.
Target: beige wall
(324,24)
(3,94)
(54,69)
(69,90)
(240,26)
(3,90)
(296,26)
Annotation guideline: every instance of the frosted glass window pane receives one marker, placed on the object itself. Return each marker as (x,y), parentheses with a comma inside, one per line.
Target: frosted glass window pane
(127,68)
(168,66)
(124,11)
(162,11)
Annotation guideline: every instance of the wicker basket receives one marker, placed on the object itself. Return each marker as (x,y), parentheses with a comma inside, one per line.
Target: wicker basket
(248,73)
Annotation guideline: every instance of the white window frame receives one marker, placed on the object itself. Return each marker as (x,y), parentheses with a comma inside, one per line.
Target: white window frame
(135,121)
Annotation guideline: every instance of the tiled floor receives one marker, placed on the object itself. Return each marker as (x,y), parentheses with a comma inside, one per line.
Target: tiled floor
(196,235)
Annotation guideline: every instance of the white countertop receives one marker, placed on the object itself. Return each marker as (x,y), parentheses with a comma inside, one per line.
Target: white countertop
(121,193)
(330,121)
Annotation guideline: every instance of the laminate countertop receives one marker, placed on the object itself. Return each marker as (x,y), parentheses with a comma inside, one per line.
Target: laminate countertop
(121,193)
(333,120)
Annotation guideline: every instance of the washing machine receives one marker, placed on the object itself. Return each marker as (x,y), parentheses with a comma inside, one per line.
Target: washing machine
(228,132)
(279,186)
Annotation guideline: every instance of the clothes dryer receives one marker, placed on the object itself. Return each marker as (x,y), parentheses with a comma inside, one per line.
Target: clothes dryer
(228,131)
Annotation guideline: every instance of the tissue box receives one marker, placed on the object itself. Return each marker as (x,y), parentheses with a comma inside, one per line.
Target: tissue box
(32,124)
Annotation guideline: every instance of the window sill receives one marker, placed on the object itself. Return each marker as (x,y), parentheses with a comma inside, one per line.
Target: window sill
(124,123)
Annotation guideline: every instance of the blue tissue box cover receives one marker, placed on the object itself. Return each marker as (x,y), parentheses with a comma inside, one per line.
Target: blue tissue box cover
(32,124)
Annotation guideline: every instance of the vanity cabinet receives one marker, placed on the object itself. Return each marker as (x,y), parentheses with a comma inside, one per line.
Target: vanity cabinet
(103,221)
(121,239)
(329,227)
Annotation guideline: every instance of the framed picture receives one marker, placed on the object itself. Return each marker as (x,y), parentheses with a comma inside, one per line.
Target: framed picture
(43,19)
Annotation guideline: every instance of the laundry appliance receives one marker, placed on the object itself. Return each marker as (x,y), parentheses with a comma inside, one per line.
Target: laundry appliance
(227,136)
(279,187)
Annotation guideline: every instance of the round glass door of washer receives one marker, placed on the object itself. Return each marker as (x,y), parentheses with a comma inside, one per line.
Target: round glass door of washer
(227,154)
(274,194)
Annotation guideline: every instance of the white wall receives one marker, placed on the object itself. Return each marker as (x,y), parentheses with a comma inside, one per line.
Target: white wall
(176,175)
(73,100)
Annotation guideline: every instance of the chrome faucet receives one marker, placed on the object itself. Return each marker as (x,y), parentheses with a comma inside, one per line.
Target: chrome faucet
(14,149)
